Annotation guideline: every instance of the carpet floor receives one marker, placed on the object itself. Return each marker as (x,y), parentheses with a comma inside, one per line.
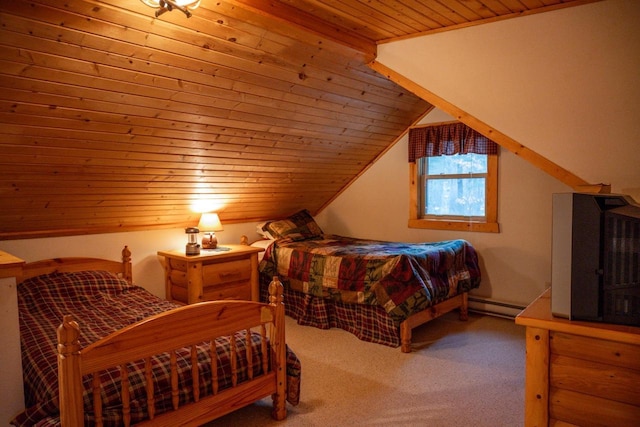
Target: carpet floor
(459,374)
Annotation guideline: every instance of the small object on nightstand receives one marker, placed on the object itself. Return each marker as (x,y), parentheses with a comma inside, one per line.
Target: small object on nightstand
(193,248)
(209,224)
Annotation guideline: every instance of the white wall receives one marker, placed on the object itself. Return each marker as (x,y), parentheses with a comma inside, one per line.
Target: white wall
(563,83)
(515,262)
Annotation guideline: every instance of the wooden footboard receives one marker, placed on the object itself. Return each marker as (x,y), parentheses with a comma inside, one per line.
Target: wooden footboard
(460,301)
(165,333)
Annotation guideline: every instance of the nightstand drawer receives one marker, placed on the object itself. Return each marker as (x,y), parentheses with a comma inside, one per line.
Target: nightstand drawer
(235,290)
(227,272)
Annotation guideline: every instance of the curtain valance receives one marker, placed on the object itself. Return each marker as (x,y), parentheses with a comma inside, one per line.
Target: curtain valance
(447,139)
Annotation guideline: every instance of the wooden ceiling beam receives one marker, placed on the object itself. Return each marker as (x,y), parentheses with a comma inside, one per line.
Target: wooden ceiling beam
(537,160)
(292,17)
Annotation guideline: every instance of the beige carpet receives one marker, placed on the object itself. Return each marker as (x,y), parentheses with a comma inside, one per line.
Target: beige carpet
(459,374)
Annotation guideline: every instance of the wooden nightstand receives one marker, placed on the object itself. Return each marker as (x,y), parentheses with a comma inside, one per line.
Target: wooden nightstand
(213,275)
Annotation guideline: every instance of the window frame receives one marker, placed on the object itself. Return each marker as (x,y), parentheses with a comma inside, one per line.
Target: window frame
(489,224)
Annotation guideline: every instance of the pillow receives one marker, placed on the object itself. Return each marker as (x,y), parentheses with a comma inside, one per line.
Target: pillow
(264,233)
(264,244)
(67,287)
(298,226)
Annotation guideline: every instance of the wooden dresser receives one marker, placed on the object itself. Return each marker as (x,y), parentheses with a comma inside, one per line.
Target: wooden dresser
(579,373)
(213,275)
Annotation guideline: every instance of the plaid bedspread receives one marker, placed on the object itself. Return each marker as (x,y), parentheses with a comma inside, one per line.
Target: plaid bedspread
(402,278)
(103,303)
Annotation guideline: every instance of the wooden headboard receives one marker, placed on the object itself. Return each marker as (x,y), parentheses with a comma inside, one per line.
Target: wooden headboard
(64,265)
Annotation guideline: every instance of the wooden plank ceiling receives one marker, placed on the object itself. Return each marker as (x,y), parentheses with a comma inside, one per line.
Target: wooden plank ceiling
(113,120)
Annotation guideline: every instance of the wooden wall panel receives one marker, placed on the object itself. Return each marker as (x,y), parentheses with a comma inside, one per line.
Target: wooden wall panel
(112,120)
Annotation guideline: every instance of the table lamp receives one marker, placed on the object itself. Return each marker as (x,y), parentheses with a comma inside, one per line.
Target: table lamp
(209,224)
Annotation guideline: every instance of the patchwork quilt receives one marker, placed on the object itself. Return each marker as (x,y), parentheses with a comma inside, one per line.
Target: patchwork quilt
(403,278)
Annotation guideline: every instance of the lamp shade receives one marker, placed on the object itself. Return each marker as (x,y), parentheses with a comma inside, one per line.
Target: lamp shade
(210,222)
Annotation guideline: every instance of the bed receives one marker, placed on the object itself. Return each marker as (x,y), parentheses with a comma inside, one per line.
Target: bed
(98,350)
(379,291)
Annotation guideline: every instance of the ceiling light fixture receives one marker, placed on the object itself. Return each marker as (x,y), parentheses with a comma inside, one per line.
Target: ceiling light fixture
(162,6)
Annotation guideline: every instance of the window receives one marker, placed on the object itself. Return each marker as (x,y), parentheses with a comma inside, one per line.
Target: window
(452,186)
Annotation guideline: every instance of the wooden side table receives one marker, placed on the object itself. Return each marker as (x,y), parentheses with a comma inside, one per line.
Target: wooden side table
(229,272)
(12,391)
(579,373)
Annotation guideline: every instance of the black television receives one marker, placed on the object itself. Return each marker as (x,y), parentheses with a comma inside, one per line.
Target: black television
(595,258)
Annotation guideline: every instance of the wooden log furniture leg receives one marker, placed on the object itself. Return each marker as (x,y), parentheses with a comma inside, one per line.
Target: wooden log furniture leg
(460,302)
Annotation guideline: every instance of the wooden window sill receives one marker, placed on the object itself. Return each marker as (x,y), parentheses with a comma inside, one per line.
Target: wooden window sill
(486,227)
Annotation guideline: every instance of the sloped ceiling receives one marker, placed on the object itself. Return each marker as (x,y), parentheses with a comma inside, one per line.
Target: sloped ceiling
(112,119)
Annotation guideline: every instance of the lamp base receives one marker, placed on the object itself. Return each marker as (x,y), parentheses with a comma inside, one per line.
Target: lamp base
(209,241)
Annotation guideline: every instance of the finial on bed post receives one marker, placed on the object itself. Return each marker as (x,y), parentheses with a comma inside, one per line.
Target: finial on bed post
(276,290)
(244,240)
(69,377)
(126,264)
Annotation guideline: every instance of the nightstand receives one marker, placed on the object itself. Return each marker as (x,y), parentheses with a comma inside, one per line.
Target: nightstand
(229,272)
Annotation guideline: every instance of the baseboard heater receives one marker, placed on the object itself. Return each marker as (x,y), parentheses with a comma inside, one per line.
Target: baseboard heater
(494,308)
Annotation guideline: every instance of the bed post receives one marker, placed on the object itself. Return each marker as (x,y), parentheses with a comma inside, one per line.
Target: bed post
(126,265)
(69,378)
(464,307)
(276,290)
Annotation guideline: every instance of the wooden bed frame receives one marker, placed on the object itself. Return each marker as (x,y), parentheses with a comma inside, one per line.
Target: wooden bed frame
(460,302)
(182,327)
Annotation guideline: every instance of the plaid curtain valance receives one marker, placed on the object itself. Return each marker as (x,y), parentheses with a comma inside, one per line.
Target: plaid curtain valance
(446,140)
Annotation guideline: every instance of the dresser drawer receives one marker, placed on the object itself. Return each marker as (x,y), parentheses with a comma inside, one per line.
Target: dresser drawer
(595,350)
(226,272)
(234,290)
